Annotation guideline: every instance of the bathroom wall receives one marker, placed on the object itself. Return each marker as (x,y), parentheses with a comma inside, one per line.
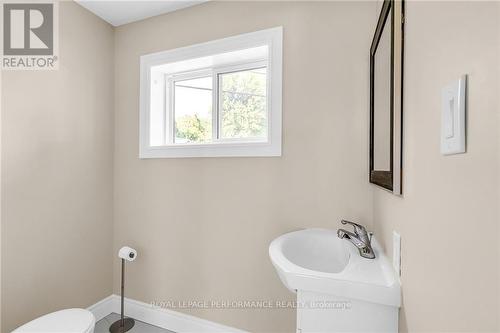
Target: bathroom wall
(448,217)
(57,157)
(202,226)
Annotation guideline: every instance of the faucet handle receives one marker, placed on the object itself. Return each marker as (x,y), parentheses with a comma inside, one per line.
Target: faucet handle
(358,228)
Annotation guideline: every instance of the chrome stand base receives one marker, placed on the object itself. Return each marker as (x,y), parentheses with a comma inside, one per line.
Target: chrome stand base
(117,326)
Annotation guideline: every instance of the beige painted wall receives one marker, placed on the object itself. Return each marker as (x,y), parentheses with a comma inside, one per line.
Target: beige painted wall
(57,132)
(448,218)
(202,226)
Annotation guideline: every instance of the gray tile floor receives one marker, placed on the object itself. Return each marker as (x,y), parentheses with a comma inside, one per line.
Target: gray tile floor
(102,326)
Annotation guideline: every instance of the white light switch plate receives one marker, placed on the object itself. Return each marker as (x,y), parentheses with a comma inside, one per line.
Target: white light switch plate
(396,252)
(453,117)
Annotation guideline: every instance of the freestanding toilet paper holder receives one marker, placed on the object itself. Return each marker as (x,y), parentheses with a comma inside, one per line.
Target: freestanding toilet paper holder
(124,324)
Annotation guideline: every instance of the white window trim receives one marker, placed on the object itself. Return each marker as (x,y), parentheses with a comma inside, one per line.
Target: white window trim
(273,38)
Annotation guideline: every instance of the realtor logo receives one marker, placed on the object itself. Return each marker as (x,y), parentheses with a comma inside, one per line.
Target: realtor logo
(29,36)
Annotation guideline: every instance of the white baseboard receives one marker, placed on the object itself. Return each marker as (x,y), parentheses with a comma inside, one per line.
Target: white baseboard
(102,308)
(167,319)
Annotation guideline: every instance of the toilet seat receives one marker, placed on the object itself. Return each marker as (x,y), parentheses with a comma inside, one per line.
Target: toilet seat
(64,321)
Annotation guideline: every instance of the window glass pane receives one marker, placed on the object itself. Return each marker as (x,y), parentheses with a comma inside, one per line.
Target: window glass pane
(193,110)
(243,104)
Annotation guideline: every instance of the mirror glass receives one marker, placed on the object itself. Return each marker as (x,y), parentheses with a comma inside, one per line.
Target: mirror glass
(386,98)
(382,101)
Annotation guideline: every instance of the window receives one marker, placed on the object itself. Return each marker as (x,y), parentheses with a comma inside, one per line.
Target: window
(221,98)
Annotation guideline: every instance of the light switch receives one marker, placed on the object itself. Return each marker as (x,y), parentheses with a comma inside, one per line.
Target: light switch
(453,117)
(449,121)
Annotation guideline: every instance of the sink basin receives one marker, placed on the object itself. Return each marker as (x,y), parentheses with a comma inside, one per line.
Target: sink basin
(317,260)
(314,250)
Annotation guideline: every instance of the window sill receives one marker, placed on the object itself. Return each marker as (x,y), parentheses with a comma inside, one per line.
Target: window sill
(240,149)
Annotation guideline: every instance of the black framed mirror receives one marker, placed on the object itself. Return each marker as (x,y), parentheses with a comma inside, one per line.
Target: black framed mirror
(386,91)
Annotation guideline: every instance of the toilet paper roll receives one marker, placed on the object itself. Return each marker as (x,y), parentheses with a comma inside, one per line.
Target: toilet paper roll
(127,253)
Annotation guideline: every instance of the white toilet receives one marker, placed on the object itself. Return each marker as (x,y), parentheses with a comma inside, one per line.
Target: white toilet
(64,321)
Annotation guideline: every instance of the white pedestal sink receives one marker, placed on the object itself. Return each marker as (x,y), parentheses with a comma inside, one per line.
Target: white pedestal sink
(337,289)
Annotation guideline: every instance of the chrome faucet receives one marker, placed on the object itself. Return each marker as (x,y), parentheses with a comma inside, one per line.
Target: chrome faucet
(359,238)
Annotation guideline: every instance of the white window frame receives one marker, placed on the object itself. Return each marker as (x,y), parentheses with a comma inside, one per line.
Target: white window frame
(273,39)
